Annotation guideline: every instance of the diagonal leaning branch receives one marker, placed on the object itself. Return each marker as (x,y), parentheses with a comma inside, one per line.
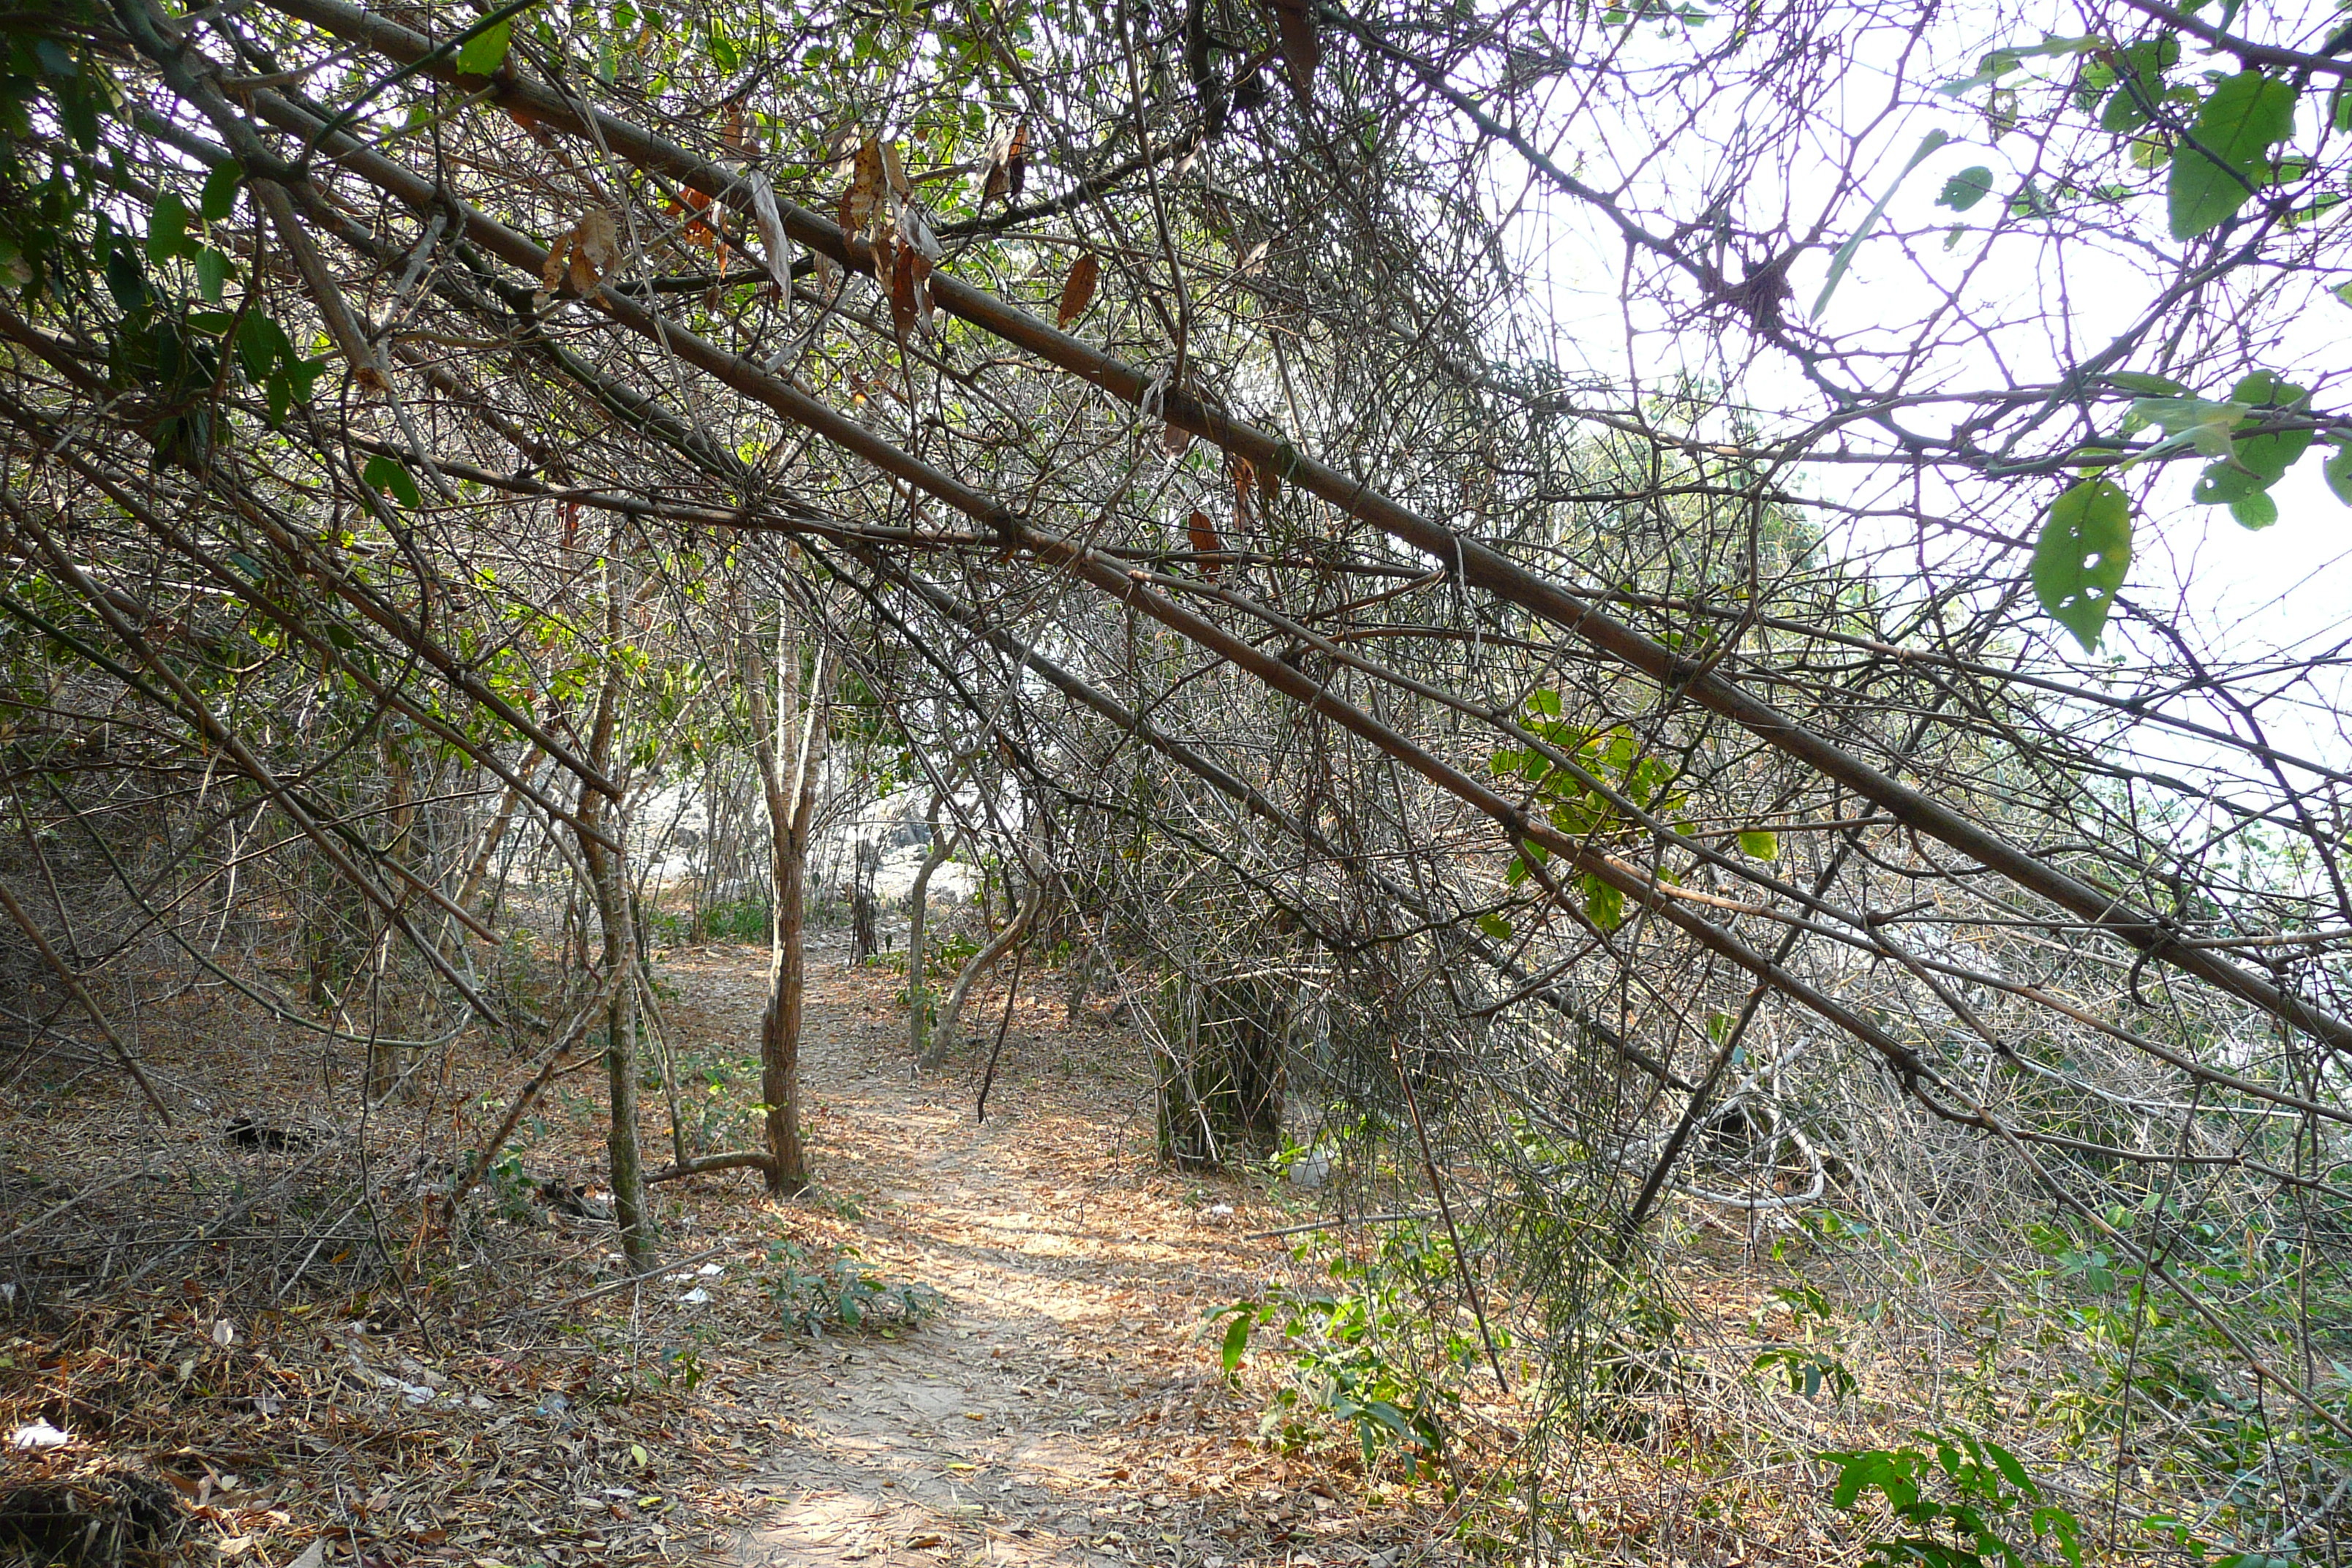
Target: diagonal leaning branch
(1475,563)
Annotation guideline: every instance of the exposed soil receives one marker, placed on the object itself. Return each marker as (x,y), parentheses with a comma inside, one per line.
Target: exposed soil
(1062,1407)
(270,1335)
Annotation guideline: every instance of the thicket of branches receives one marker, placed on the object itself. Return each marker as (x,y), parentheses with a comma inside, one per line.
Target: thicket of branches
(1521,579)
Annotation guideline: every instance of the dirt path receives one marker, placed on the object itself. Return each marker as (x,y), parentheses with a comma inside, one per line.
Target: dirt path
(1061,1408)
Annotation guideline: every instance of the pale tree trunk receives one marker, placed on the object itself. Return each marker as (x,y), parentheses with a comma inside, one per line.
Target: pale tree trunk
(789,737)
(919,996)
(943,1038)
(477,869)
(609,887)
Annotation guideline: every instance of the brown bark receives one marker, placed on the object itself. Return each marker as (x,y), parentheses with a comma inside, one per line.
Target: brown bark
(609,887)
(788,742)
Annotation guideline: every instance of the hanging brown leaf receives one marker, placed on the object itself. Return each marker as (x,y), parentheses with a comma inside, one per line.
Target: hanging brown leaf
(1205,542)
(894,172)
(1243,473)
(552,271)
(1006,152)
(1294,24)
(595,246)
(1079,289)
(863,198)
(1175,441)
(902,289)
(735,130)
(1017,159)
(920,249)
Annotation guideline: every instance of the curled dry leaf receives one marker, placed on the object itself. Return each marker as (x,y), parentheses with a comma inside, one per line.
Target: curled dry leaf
(1175,441)
(1245,475)
(904,307)
(894,172)
(771,222)
(863,199)
(1294,24)
(1205,542)
(1008,162)
(1079,289)
(582,253)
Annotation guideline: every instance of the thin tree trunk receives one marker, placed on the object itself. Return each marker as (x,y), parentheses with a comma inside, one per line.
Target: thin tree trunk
(943,1038)
(789,778)
(918,997)
(608,885)
(495,832)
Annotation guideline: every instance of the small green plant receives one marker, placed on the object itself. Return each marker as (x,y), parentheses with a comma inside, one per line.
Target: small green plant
(1969,1504)
(1336,1347)
(843,1294)
(949,953)
(739,919)
(1811,1362)
(680,1367)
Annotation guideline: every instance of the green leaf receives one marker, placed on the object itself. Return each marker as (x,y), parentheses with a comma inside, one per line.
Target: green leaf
(2225,482)
(2080,560)
(261,343)
(2255,511)
(1237,1333)
(387,476)
(2337,471)
(2215,170)
(167,229)
(1844,257)
(1761,842)
(485,52)
(2147,385)
(2006,1462)
(1496,926)
(213,273)
(1603,904)
(1966,189)
(219,199)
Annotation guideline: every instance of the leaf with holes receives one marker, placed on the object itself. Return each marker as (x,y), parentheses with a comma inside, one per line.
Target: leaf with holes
(1966,189)
(2080,560)
(1078,290)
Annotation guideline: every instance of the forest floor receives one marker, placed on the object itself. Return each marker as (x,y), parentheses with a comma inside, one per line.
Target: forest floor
(271,1344)
(1063,1405)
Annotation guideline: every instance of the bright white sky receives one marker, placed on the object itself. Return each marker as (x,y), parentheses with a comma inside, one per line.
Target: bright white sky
(2240,593)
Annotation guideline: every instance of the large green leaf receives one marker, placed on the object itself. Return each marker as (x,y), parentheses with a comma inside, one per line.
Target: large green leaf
(385,475)
(2216,170)
(485,52)
(2080,562)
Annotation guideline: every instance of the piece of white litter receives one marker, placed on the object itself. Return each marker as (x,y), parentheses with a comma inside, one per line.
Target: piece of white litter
(711,1270)
(38,1437)
(1221,1211)
(224,1333)
(313,1555)
(695,1297)
(675,1278)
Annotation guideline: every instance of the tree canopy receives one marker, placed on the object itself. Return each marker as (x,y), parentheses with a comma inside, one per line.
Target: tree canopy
(1612,576)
